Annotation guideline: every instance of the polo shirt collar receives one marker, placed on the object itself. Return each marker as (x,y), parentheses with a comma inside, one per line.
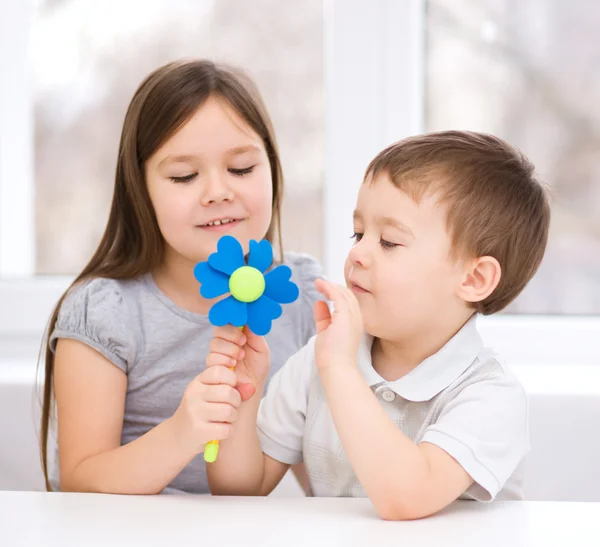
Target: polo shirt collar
(436,372)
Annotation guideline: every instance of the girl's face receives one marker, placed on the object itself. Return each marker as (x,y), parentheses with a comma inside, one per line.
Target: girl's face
(211,178)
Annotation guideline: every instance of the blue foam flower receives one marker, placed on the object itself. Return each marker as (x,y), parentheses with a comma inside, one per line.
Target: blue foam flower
(256,296)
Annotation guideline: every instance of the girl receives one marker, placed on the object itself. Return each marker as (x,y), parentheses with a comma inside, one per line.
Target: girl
(125,356)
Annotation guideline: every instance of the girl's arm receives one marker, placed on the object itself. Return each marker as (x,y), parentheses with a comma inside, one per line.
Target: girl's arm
(90,396)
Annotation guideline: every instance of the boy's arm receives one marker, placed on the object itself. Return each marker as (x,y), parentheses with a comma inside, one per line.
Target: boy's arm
(274,424)
(477,442)
(241,468)
(481,435)
(402,479)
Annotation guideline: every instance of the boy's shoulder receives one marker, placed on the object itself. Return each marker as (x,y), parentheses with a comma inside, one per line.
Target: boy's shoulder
(489,367)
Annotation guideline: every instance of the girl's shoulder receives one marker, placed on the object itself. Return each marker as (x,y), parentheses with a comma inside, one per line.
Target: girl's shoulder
(305,270)
(100,295)
(99,313)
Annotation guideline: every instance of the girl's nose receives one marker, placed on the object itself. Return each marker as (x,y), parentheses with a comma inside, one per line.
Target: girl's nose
(215,190)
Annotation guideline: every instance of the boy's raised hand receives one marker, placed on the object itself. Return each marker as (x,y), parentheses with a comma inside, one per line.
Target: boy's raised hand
(338,335)
(244,350)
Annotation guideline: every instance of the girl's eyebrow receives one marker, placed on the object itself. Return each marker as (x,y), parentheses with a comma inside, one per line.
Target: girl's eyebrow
(187,158)
(178,159)
(243,149)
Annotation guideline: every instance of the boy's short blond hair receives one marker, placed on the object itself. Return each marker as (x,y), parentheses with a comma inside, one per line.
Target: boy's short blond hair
(495,205)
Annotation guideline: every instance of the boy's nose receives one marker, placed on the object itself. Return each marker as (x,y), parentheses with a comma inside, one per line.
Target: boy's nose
(359,255)
(215,190)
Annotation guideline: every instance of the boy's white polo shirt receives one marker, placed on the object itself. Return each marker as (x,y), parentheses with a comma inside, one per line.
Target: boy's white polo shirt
(461,399)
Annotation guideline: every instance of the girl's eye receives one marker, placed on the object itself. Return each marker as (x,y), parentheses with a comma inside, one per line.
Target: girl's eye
(388,244)
(356,236)
(185,178)
(242,172)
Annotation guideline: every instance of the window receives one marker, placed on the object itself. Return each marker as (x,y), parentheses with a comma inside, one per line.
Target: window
(88,58)
(528,72)
(342,79)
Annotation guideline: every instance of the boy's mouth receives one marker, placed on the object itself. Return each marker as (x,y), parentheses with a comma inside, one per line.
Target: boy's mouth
(357,289)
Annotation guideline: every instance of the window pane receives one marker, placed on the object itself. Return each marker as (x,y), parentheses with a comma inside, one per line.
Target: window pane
(89,57)
(528,72)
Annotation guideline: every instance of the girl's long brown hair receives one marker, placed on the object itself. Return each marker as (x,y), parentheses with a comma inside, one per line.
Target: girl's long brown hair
(132,243)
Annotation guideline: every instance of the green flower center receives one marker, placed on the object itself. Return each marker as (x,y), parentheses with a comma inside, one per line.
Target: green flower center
(247,284)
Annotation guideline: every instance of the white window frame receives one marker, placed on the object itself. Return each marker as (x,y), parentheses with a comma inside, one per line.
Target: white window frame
(374,92)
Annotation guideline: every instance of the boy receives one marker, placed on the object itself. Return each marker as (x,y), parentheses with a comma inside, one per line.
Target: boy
(396,397)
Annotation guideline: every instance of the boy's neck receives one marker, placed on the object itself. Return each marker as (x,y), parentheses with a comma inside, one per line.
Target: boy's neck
(393,359)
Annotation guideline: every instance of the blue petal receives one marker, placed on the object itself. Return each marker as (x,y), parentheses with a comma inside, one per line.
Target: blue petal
(279,287)
(214,283)
(229,256)
(228,312)
(261,255)
(261,313)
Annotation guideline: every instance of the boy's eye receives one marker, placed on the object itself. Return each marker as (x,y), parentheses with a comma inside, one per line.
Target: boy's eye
(185,178)
(356,236)
(242,172)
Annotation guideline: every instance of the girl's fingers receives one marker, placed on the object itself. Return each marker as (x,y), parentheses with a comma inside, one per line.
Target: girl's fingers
(223,394)
(221,412)
(218,431)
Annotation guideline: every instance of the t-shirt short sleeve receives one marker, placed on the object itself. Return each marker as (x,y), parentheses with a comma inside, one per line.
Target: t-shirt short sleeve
(485,429)
(96,314)
(282,412)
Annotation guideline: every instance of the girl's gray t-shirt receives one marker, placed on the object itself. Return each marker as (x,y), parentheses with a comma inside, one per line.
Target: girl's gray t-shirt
(162,347)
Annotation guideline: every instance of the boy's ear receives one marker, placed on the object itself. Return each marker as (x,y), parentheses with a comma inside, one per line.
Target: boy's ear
(481,277)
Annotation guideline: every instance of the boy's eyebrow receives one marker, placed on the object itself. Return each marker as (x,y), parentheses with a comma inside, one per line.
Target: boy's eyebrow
(395,223)
(388,221)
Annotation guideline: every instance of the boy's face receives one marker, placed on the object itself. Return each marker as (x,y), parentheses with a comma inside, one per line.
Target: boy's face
(400,267)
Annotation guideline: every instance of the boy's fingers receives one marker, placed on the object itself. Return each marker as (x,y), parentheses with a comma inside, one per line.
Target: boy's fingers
(218,345)
(332,292)
(246,391)
(217,375)
(322,315)
(255,342)
(231,334)
(218,359)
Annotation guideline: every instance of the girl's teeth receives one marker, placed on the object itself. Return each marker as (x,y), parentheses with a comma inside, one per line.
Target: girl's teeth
(219,222)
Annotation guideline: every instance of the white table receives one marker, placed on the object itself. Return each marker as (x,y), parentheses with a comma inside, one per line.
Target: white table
(65,520)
